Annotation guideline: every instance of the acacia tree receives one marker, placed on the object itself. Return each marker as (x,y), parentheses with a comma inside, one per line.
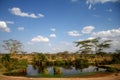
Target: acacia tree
(84,46)
(13,46)
(97,44)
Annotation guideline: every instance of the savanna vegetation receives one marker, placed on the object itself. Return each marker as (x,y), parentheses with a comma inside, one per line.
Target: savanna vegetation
(91,52)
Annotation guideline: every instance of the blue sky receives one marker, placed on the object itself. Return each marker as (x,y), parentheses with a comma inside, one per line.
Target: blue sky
(53,25)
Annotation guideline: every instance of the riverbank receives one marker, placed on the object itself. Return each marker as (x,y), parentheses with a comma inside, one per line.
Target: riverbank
(98,76)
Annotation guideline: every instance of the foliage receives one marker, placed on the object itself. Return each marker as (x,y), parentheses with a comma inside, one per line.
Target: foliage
(59,62)
(79,62)
(111,69)
(116,58)
(86,46)
(45,71)
(13,46)
(57,70)
(13,63)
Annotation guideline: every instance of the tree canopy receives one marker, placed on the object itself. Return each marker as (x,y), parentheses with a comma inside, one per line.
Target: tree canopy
(90,45)
(13,46)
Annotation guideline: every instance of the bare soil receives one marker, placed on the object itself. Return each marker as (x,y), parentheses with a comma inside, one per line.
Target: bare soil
(99,76)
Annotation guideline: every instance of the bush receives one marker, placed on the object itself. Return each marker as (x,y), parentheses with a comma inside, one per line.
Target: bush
(57,70)
(59,63)
(79,62)
(45,71)
(116,58)
(110,69)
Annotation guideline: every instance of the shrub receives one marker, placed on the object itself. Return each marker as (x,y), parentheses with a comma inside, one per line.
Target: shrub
(116,58)
(110,69)
(57,70)
(45,71)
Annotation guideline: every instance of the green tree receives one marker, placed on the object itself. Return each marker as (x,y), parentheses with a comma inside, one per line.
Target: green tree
(84,46)
(97,44)
(13,46)
(6,60)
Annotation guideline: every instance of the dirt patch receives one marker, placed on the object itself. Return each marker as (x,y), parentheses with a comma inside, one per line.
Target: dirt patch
(107,76)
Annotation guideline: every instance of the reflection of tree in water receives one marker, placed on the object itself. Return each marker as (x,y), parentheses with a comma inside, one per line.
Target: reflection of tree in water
(41,69)
(34,66)
(81,67)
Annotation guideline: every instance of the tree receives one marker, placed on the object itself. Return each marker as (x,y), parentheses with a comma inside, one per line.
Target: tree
(13,46)
(97,44)
(84,45)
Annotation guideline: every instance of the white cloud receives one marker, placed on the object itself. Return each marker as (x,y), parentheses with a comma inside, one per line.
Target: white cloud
(108,33)
(17,11)
(9,22)
(73,33)
(40,39)
(88,29)
(113,35)
(52,35)
(20,28)
(49,44)
(53,29)
(90,6)
(30,43)
(3,26)
(93,2)
(100,1)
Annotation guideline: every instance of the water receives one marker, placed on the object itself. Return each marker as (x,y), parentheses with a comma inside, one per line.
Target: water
(34,71)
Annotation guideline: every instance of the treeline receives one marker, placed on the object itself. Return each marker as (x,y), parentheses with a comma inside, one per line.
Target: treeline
(14,62)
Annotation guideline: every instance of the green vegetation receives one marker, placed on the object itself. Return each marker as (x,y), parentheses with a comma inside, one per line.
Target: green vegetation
(16,64)
(57,71)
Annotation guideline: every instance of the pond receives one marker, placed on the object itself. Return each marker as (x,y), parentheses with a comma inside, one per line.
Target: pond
(66,70)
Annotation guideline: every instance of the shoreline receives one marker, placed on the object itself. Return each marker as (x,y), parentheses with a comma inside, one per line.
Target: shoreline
(97,76)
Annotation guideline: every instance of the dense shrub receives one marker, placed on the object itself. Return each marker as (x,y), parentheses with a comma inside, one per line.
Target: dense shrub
(110,69)
(45,71)
(116,58)
(57,70)
(59,62)
(79,62)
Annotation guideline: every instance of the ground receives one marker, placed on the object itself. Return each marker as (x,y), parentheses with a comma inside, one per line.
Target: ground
(111,76)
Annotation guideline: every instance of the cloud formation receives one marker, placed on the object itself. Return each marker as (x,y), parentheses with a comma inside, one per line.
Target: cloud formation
(93,2)
(9,22)
(3,26)
(17,11)
(113,34)
(53,35)
(73,33)
(40,38)
(20,28)
(53,29)
(88,29)
(108,33)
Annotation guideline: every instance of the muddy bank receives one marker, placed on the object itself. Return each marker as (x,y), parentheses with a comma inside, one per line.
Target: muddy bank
(99,76)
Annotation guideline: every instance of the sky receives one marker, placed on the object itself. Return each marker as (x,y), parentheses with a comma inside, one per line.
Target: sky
(54,25)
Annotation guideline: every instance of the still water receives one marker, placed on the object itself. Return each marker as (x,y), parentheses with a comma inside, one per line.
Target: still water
(33,71)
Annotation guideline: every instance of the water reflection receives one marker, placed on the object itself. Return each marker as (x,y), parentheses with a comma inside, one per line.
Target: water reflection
(66,70)
(32,70)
